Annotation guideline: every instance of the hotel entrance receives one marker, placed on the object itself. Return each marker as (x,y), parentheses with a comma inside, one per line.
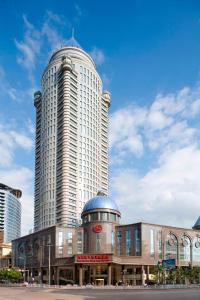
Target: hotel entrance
(99,274)
(99,282)
(94,269)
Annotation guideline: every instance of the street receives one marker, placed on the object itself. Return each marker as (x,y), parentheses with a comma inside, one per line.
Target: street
(12,293)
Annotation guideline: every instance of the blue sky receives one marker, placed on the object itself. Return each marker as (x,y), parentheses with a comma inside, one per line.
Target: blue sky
(148,54)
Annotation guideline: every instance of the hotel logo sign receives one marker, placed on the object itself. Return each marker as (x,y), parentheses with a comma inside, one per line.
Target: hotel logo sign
(97,228)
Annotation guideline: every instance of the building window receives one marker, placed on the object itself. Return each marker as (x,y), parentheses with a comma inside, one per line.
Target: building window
(112,217)
(85,241)
(60,243)
(112,241)
(79,243)
(69,243)
(98,242)
(103,216)
(94,216)
(160,244)
(137,241)
(128,242)
(152,246)
(119,242)
(196,249)
(171,246)
(185,249)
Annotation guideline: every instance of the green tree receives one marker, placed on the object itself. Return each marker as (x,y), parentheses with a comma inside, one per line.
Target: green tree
(10,274)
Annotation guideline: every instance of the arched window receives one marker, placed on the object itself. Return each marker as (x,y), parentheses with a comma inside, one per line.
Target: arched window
(185,249)
(171,246)
(196,249)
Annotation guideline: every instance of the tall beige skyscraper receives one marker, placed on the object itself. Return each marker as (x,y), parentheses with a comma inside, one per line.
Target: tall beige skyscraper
(71,156)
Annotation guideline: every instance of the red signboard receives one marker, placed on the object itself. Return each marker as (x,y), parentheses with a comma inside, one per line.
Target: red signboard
(93,258)
(97,228)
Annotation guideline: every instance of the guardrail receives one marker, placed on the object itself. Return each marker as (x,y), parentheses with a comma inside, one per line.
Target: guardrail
(149,287)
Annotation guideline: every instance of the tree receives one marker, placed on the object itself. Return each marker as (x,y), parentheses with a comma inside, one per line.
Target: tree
(10,274)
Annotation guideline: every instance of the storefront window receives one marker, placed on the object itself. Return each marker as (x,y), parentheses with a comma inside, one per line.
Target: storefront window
(128,242)
(171,246)
(185,249)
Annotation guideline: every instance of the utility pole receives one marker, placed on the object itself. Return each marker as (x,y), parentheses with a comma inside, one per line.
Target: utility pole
(49,264)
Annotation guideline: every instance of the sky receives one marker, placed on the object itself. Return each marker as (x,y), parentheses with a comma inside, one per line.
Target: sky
(148,55)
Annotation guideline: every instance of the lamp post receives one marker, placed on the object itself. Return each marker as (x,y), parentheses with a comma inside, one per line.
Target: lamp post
(49,263)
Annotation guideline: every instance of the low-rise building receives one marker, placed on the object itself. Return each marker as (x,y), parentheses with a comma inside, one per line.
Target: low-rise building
(5,252)
(101,251)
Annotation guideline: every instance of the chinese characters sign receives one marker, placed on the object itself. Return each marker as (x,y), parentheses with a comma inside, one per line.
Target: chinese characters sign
(93,258)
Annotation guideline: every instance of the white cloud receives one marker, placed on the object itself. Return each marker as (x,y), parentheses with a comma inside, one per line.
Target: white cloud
(165,125)
(158,120)
(168,194)
(98,56)
(22,178)
(10,140)
(54,39)
(167,189)
(29,48)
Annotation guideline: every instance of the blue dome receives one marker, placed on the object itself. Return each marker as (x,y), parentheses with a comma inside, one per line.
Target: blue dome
(100,202)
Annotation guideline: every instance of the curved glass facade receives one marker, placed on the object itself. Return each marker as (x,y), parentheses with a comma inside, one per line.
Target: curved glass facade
(10,216)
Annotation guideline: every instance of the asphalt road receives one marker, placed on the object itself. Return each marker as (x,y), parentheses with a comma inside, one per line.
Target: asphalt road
(101,294)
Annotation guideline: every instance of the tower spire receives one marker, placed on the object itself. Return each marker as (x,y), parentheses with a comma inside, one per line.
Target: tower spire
(73,32)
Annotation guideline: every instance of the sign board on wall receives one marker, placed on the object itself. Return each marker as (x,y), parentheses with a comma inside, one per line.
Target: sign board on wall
(93,258)
(169,263)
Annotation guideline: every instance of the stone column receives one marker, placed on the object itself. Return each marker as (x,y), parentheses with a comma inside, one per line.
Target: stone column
(55,271)
(58,275)
(40,275)
(89,274)
(143,275)
(109,274)
(134,276)
(147,273)
(81,275)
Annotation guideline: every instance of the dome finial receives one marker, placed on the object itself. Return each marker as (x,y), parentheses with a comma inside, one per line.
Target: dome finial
(73,32)
(72,42)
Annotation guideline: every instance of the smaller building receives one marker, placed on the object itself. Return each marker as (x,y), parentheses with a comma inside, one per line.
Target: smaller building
(10,213)
(101,251)
(5,253)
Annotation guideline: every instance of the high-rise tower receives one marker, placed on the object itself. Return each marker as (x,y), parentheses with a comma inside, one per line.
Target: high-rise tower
(71,162)
(10,213)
